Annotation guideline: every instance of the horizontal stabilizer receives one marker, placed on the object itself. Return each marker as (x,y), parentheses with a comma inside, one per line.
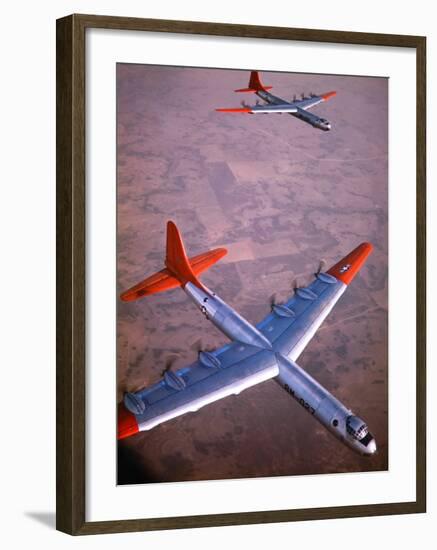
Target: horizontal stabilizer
(179,268)
(202,262)
(253,90)
(159,282)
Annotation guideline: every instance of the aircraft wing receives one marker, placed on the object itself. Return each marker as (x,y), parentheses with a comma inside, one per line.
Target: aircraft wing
(262,109)
(291,325)
(309,102)
(225,371)
(285,107)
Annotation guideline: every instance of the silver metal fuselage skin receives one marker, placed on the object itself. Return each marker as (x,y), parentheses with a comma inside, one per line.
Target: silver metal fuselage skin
(302,114)
(325,408)
(226,319)
(313,397)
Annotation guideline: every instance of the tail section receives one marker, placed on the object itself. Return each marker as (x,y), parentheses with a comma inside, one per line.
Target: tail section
(179,269)
(254,84)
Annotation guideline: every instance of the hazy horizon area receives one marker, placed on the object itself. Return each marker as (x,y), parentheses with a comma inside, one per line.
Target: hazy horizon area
(280,195)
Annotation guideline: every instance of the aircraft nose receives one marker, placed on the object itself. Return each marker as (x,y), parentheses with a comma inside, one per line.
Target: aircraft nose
(371,447)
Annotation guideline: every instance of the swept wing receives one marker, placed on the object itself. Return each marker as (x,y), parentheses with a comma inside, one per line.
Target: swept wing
(308,102)
(291,325)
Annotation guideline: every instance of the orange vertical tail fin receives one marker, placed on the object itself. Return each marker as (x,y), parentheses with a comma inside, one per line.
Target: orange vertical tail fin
(176,260)
(254,84)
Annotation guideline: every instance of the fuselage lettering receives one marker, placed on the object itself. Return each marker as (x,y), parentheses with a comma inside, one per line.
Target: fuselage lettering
(300,400)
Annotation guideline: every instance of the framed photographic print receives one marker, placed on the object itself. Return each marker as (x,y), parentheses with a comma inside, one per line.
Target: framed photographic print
(241,298)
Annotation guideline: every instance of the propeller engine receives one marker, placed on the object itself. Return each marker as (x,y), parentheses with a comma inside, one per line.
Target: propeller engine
(205,355)
(281,310)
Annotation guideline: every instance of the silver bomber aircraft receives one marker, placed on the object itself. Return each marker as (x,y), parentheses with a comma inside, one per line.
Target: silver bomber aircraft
(297,107)
(255,353)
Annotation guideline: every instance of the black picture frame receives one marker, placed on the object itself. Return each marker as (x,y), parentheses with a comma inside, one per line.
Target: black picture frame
(71,249)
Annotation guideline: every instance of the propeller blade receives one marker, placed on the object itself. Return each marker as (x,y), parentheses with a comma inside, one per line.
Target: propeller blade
(273,300)
(322,266)
(295,284)
(302,96)
(199,346)
(133,388)
(169,363)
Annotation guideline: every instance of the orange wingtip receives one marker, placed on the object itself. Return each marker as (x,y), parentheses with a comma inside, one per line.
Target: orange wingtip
(235,110)
(127,424)
(328,95)
(346,269)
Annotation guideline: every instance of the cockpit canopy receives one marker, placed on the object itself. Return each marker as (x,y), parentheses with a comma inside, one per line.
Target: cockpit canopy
(356,427)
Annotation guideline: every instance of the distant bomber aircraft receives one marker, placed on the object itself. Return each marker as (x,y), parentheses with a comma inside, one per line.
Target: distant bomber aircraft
(297,107)
(255,353)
